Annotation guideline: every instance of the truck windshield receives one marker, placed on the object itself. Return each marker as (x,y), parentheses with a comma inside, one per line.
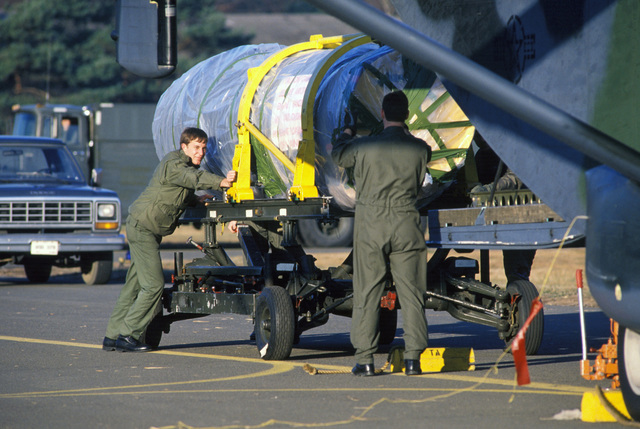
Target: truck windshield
(24,124)
(36,163)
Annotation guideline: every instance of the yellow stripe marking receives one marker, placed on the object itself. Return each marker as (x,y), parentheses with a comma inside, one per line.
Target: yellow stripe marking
(278,367)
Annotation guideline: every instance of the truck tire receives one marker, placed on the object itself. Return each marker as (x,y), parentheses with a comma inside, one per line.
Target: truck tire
(96,268)
(314,233)
(629,369)
(275,323)
(37,270)
(528,292)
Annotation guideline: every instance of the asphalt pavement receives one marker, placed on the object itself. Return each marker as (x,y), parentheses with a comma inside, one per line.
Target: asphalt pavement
(207,372)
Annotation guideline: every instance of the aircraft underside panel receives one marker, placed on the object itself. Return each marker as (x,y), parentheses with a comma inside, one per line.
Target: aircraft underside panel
(575,55)
(613,263)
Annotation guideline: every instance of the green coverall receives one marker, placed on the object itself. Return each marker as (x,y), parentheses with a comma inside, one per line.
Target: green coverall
(153,215)
(388,171)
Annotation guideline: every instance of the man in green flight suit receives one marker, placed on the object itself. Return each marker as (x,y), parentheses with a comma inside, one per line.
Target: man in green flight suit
(388,170)
(153,215)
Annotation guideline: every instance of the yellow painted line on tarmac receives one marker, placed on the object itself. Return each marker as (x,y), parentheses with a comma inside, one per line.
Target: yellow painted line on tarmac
(41,341)
(110,391)
(243,359)
(278,367)
(504,382)
(171,353)
(117,390)
(479,384)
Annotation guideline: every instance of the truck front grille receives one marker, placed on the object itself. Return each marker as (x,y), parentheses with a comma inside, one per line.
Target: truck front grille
(49,212)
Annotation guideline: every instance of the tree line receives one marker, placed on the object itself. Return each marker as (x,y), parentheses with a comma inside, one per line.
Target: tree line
(61,51)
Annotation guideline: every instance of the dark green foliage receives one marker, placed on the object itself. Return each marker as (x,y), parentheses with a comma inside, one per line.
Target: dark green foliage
(62,52)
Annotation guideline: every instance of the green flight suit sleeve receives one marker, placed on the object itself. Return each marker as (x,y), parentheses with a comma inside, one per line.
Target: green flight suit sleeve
(178,174)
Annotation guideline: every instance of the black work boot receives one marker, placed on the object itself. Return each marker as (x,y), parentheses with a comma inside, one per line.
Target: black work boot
(365,370)
(130,344)
(412,367)
(108,344)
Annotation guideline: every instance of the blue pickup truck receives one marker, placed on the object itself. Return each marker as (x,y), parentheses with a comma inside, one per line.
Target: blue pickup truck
(51,215)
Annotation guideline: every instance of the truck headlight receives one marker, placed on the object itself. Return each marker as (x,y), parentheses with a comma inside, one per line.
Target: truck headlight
(107,216)
(106,211)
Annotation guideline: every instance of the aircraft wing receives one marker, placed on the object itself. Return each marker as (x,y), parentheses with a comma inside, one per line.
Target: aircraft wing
(551,89)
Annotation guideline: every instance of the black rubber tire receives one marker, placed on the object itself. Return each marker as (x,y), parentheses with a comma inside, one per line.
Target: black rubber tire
(629,369)
(528,292)
(96,268)
(313,233)
(387,325)
(153,334)
(275,323)
(37,270)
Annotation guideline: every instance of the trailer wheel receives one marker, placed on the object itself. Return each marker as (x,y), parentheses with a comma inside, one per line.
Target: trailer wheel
(629,370)
(315,233)
(37,270)
(275,323)
(96,268)
(528,293)
(387,325)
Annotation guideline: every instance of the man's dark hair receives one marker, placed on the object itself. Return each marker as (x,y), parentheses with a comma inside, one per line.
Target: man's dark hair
(395,106)
(192,133)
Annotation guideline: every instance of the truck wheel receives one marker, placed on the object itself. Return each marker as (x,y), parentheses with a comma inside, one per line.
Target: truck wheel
(387,325)
(275,323)
(37,270)
(527,292)
(96,268)
(629,369)
(316,234)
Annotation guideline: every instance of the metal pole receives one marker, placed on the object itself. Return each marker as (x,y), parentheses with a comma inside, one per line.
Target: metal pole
(486,84)
(581,307)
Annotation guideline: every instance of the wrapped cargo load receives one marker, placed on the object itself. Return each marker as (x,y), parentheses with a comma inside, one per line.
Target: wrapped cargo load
(308,87)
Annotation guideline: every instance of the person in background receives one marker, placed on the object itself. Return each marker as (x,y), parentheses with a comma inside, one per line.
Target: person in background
(517,262)
(69,133)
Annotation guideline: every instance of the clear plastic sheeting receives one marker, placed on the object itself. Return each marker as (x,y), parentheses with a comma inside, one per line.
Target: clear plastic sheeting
(276,111)
(208,96)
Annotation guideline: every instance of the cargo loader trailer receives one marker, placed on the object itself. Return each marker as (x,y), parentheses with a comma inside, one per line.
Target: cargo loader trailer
(504,220)
(285,294)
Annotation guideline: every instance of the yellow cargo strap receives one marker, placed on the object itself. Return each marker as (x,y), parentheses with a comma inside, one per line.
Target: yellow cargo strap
(304,172)
(304,176)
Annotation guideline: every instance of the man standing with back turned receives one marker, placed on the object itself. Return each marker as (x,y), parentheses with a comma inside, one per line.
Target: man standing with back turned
(388,171)
(153,215)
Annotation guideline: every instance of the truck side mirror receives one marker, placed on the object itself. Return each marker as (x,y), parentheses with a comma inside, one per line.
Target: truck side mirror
(96,177)
(145,37)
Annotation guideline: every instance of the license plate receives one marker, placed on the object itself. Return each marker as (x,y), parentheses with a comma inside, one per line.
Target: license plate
(44,247)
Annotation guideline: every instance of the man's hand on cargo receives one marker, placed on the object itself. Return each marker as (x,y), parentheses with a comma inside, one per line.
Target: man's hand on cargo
(233,226)
(227,182)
